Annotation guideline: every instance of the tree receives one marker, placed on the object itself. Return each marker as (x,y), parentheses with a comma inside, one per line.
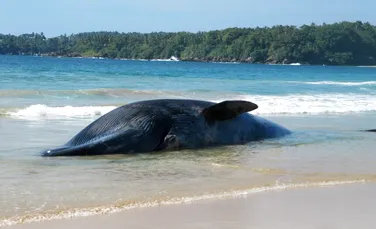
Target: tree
(345,43)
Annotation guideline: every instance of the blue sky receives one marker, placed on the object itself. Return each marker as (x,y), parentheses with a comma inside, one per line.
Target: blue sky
(55,17)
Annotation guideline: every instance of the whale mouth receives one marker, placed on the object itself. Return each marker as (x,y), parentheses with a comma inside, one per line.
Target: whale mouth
(53,152)
(63,151)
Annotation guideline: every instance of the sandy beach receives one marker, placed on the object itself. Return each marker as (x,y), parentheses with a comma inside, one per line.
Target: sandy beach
(44,102)
(342,207)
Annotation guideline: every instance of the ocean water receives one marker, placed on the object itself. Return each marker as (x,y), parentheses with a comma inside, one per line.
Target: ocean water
(46,101)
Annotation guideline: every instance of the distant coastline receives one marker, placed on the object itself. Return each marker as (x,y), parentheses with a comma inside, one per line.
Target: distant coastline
(172,59)
(177,60)
(344,43)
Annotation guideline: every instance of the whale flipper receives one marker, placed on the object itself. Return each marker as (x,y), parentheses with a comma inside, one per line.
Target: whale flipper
(228,109)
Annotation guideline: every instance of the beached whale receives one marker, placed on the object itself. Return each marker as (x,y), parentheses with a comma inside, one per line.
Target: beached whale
(170,124)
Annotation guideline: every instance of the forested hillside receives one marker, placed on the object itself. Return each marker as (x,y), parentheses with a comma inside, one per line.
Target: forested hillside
(345,43)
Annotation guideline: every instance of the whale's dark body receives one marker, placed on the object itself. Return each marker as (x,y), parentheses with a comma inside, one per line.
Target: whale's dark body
(164,124)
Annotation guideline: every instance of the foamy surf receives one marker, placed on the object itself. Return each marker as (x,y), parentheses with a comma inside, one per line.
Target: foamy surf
(341,83)
(311,104)
(74,213)
(43,111)
(268,105)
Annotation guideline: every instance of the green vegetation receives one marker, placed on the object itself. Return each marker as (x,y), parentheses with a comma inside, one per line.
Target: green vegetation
(345,43)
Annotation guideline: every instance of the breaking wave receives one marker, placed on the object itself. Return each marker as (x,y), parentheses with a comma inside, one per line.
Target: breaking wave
(313,104)
(268,105)
(43,111)
(341,83)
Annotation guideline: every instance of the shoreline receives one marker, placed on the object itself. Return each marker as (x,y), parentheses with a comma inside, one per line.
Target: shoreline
(340,206)
(77,214)
(174,59)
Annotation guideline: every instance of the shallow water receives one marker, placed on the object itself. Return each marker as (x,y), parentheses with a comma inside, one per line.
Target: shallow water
(45,101)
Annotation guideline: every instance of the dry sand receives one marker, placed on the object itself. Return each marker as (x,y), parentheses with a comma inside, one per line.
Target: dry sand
(345,206)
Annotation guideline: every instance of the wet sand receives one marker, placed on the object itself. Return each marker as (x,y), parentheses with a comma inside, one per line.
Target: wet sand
(344,206)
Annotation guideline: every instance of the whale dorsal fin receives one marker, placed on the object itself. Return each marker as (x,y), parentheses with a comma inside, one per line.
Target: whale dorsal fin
(228,109)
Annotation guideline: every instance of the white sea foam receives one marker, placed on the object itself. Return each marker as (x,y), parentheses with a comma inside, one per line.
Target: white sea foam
(269,105)
(341,83)
(43,111)
(312,104)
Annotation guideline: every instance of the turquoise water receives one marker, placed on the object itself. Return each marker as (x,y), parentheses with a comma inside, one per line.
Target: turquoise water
(45,101)
(68,81)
